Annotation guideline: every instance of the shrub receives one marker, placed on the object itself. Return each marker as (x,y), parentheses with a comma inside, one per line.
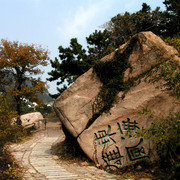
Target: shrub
(111,74)
(175,42)
(166,134)
(8,133)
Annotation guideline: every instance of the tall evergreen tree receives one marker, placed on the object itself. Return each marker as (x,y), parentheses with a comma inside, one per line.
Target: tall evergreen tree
(75,60)
(99,44)
(172,17)
(123,26)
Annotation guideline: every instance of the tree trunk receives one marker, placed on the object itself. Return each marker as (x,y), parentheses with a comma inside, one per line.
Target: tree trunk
(18,109)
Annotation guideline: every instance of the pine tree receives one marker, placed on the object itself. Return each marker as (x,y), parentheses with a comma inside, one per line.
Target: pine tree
(75,60)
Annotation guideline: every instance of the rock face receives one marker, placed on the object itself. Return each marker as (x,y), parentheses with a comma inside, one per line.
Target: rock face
(31,119)
(109,140)
(74,105)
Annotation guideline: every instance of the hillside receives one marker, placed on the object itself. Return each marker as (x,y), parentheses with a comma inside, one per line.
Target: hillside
(44,97)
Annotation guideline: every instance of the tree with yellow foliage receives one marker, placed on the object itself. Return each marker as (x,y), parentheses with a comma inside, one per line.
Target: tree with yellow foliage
(19,63)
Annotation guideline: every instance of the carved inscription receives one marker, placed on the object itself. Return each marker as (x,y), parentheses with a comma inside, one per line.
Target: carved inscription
(104,137)
(136,152)
(128,127)
(113,157)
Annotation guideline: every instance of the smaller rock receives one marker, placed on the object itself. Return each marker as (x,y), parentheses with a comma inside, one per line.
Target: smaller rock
(32,119)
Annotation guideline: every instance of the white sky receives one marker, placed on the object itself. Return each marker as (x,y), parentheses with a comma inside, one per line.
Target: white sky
(52,23)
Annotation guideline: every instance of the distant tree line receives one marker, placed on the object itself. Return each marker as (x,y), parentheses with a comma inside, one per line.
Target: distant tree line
(75,60)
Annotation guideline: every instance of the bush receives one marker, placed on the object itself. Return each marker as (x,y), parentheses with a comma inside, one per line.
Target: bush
(111,74)
(175,42)
(166,134)
(45,110)
(8,169)
(9,132)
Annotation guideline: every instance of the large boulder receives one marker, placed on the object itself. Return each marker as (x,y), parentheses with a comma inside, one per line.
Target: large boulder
(109,139)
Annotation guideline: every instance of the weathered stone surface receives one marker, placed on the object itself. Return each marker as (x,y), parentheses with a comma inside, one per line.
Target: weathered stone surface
(147,52)
(107,141)
(110,141)
(74,105)
(31,119)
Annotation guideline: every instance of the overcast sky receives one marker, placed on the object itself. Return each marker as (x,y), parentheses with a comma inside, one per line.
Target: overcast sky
(51,23)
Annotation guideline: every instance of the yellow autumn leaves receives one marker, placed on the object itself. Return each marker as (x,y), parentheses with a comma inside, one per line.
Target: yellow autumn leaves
(18,65)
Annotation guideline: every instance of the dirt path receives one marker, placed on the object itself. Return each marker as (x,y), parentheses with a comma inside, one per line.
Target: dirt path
(35,158)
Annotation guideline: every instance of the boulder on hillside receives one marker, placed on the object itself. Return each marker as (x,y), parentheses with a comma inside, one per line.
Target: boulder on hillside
(109,139)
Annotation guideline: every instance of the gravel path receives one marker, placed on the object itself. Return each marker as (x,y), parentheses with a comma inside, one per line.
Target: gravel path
(35,158)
